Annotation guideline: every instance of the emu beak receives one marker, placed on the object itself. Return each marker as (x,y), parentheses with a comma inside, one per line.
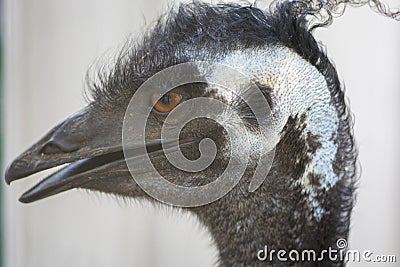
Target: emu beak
(87,142)
(93,147)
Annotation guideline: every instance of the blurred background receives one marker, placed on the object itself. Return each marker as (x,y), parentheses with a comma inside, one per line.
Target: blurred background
(47,47)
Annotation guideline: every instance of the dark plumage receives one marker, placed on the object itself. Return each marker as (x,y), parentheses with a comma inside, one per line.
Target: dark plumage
(283,213)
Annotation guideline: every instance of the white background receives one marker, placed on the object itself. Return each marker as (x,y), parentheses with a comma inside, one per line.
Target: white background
(50,45)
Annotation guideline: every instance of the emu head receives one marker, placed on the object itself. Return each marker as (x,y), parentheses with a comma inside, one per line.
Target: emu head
(297,92)
(306,199)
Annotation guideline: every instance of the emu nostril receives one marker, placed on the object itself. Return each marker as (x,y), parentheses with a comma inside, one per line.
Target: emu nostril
(52,147)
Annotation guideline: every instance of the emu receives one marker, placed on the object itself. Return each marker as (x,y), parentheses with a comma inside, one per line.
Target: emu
(307,197)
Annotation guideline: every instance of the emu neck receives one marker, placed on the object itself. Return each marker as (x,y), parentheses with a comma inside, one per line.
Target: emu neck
(275,216)
(278,214)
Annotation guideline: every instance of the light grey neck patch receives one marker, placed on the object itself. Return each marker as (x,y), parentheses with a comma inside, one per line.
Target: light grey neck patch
(298,88)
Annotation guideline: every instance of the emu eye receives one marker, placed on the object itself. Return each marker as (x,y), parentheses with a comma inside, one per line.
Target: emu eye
(167,102)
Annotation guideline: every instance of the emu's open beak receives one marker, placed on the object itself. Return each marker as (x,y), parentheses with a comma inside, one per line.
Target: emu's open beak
(91,145)
(88,143)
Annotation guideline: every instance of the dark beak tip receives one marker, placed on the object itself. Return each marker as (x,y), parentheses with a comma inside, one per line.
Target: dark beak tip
(24,199)
(9,174)
(8,180)
(15,170)
(18,169)
(27,198)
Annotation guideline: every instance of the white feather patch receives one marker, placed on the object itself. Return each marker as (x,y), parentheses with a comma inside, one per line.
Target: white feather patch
(297,88)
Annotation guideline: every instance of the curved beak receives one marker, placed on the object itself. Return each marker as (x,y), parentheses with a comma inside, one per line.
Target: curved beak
(92,147)
(89,144)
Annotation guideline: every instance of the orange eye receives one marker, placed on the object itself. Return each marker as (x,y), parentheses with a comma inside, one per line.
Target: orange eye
(167,102)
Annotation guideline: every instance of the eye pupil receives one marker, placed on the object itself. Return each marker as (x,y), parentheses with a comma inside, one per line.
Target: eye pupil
(167,102)
(166,99)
